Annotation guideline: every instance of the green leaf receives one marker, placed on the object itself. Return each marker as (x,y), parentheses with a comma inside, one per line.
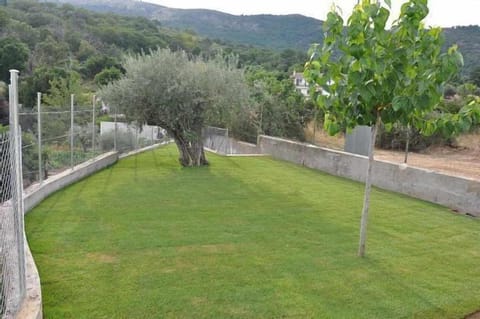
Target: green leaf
(453,49)
(356,66)
(399,102)
(429,128)
(388,127)
(380,20)
(330,125)
(315,65)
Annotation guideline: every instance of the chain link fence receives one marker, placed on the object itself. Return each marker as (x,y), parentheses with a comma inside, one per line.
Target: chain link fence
(216,139)
(56,138)
(125,137)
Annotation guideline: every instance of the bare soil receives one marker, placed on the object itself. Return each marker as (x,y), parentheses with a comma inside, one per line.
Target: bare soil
(475,315)
(463,160)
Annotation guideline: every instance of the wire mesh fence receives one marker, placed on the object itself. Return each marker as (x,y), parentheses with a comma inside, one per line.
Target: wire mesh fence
(125,137)
(56,138)
(219,140)
(216,139)
(12,255)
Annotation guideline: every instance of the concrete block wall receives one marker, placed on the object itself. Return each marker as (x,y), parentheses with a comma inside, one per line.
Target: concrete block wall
(460,194)
(238,147)
(36,193)
(229,146)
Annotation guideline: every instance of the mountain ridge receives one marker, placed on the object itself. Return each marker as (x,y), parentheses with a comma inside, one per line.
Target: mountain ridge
(278,32)
(293,31)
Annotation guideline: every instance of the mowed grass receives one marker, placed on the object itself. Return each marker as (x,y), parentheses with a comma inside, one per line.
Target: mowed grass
(246,238)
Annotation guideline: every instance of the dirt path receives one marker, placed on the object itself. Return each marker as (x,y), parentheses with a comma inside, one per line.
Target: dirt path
(459,162)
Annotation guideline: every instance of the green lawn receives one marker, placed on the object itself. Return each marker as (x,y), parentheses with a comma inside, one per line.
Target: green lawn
(246,238)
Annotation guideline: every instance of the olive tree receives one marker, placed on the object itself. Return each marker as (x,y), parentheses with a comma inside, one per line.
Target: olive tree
(178,93)
(366,74)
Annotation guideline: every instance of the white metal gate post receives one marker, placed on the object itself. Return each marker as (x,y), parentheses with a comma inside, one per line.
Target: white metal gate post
(39,132)
(71,131)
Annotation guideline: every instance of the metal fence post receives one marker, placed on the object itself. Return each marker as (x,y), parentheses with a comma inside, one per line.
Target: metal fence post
(71,131)
(93,124)
(39,129)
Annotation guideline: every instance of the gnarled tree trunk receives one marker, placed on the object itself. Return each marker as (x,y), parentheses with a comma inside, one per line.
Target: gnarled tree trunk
(190,149)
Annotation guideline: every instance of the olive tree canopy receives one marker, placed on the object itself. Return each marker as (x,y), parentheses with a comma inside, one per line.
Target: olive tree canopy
(180,94)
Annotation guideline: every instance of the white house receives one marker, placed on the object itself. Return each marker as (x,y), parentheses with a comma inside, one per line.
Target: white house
(300,83)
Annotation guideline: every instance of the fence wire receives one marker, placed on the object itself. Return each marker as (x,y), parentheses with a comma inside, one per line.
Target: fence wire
(125,137)
(12,254)
(58,139)
(217,139)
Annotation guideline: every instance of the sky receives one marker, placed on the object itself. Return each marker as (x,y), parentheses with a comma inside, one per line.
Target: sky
(443,13)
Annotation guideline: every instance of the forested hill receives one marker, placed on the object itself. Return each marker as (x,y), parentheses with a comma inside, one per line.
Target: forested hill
(468,40)
(268,31)
(47,41)
(271,31)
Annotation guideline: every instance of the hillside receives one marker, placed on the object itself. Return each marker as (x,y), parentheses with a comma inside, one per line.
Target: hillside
(468,40)
(47,41)
(269,31)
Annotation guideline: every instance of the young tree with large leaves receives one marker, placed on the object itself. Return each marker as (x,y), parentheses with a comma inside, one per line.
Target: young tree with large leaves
(178,93)
(369,74)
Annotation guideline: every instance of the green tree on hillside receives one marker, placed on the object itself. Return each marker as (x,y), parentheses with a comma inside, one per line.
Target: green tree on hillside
(280,109)
(13,55)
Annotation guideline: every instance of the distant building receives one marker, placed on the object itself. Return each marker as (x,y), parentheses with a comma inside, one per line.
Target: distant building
(300,83)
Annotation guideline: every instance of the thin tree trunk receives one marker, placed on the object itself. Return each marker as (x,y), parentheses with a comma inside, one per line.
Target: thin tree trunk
(407,144)
(368,187)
